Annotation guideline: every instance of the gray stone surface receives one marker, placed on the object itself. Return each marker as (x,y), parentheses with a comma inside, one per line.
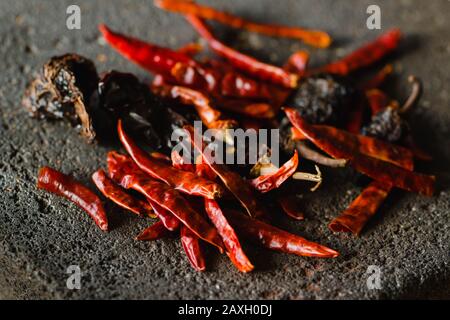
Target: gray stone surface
(41,235)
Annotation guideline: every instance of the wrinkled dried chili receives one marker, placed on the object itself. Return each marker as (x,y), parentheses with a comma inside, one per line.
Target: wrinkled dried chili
(290,205)
(277,239)
(354,218)
(67,187)
(119,196)
(333,142)
(183,181)
(315,38)
(191,246)
(240,188)
(229,237)
(266,183)
(243,62)
(154,232)
(364,56)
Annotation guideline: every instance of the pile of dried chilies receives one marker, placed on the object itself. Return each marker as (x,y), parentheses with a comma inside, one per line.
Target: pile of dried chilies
(323,112)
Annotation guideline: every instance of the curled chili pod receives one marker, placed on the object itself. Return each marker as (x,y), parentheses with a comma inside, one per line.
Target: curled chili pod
(243,62)
(119,196)
(291,206)
(354,218)
(149,56)
(277,239)
(171,200)
(364,56)
(67,187)
(192,248)
(184,181)
(240,188)
(229,237)
(154,232)
(315,38)
(268,182)
(336,143)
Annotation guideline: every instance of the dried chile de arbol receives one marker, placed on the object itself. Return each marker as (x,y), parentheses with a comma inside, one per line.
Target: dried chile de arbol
(119,196)
(154,232)
(326,138)
(277,239)
(191,246)
(354,218)
(315,38)
(67,187)
(184,181)
(62,90)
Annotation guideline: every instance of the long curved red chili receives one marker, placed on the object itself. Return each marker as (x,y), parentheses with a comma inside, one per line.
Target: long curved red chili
(115,193)
(364,56)
(168,219)
(67,187)
(243,62)
(229,237)
(334,142)
(268,182)
(192,248)
(149,56)
(154,232)
(277,239)
(184,181)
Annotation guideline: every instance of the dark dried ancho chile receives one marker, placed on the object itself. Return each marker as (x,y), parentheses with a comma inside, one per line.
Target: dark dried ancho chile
(62,90)
(322,99)
(387,125)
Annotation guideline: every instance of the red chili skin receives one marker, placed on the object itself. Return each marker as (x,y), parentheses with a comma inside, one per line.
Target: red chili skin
(243,62)
(335,143)
(297,62)
(151,57)
(277,239)
(272,181)
(364,56)
(192,248)
(377,99)
(172,201)
(377,80)
(168,219)
(229,237)
(355,217)
(240,188)
(178,162)
(183,181)
(115,193)
(67,187)
(154,232)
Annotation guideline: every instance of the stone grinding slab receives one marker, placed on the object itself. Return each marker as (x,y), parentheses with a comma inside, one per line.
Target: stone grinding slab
(41,235)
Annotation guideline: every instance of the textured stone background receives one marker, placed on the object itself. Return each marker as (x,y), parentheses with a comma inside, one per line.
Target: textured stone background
(41,235)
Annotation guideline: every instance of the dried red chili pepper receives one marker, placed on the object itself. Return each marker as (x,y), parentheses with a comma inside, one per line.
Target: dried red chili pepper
(241,61)
(317,157)
(365,55)
(248,108)
(335,142)
(361,209)
(167,218)
(154,232)
(290,205)
(277,239)
(149,56)
(162,195)
(297,62)
(160,156)
(266,183)
(191,246)
(203,170)
(315,38)
(179,163)
(115,193)
(229,237)
(240,188)
(191,49)
(67,187)
(183,181)
(210,116)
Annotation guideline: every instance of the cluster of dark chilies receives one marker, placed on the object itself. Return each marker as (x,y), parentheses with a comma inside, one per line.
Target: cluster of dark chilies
(321,113)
